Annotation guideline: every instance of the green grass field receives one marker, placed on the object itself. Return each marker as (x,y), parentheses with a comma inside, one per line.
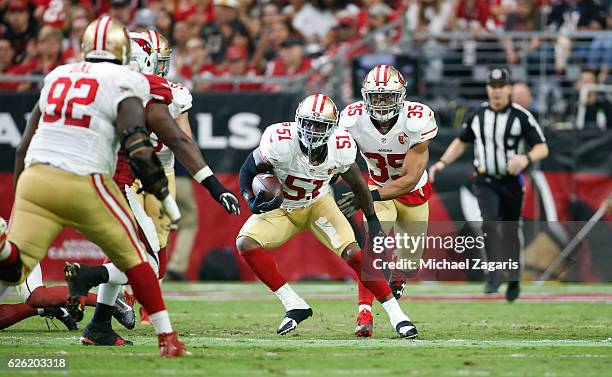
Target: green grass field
(557,330)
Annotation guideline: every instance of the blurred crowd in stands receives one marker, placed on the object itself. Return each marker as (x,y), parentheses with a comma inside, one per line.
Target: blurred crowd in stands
(267,38)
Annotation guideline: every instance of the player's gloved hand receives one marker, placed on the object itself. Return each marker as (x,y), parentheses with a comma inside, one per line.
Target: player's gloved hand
(348,204)
(258,206)
(225,197)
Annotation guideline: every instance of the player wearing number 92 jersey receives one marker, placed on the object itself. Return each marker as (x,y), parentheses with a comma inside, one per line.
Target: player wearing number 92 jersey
(393,137)
(86,111)
(305,155)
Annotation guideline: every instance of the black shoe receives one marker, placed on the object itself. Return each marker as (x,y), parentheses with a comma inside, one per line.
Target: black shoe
(513,291)
(397,288)
(406,329)
(123,313)
(175,275)
(102,334)
(292,319)
(491,286)
(61,315)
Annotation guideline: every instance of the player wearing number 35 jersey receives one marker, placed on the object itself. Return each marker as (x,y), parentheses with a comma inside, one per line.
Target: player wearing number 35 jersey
(87,111)
(305,155)
(393,137)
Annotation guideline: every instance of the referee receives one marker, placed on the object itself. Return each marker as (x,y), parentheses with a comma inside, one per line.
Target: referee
(507,139)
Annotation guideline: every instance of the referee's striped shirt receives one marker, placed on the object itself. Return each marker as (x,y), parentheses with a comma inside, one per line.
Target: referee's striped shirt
(498,135)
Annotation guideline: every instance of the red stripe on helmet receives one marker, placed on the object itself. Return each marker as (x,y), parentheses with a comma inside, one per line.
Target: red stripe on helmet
(314,104)
(322,104)
(104,35)
(386,76)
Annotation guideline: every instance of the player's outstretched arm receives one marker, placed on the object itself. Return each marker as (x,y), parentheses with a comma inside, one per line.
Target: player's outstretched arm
(413,167)
(22,148)
(188,154)
(254,164)
(362,198)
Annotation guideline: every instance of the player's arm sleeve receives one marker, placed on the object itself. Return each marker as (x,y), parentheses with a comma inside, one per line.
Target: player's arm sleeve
(531,131)
(467,134)
(186,100)
(253,165)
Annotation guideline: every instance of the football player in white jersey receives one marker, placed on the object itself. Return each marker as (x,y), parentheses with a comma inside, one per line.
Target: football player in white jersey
(393,137)
(87,111)
(305,155)
(146,208)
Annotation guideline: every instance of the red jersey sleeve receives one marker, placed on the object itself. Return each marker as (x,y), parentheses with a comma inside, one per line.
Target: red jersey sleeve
(123,175)
(159,89)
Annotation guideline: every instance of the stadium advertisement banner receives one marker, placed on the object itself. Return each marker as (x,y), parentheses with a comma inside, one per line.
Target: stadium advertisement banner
(568,190)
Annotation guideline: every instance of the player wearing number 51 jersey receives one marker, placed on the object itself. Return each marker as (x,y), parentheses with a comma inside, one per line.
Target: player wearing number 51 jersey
(305,155)
(393,137)
(87,110)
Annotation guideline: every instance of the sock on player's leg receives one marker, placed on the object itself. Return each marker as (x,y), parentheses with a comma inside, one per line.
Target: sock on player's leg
(43,297)
(264,268)
(366,298)
(396,315)
(148,293)
(377,285)
(115,275)
(13,313)
(107,294)
(290,299)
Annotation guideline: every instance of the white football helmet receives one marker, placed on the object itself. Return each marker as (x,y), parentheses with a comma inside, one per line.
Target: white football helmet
(316,117)
(144,57)
(383,91)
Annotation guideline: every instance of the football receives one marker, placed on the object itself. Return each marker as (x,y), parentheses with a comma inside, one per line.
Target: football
(268,184)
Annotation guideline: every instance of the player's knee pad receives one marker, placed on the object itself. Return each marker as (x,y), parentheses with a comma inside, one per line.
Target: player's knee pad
(244,244)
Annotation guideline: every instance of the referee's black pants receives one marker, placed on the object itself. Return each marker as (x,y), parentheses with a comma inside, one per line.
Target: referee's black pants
(500,200)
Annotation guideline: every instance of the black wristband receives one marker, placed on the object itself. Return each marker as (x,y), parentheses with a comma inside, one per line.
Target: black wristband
(529,160)
(375,195)
(213,185)
(444,162)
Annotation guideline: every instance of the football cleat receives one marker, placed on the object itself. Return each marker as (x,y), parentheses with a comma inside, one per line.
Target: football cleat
(365,324)
(513,290)
(170,346)
(406,329)
(124,313)
(397,288)
(130,299)
(61,315)
(293,318)
(144,317)
(102,334)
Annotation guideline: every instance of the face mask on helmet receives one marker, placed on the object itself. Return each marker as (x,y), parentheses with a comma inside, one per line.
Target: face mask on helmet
(383,105)
(144,58)
(163,66)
